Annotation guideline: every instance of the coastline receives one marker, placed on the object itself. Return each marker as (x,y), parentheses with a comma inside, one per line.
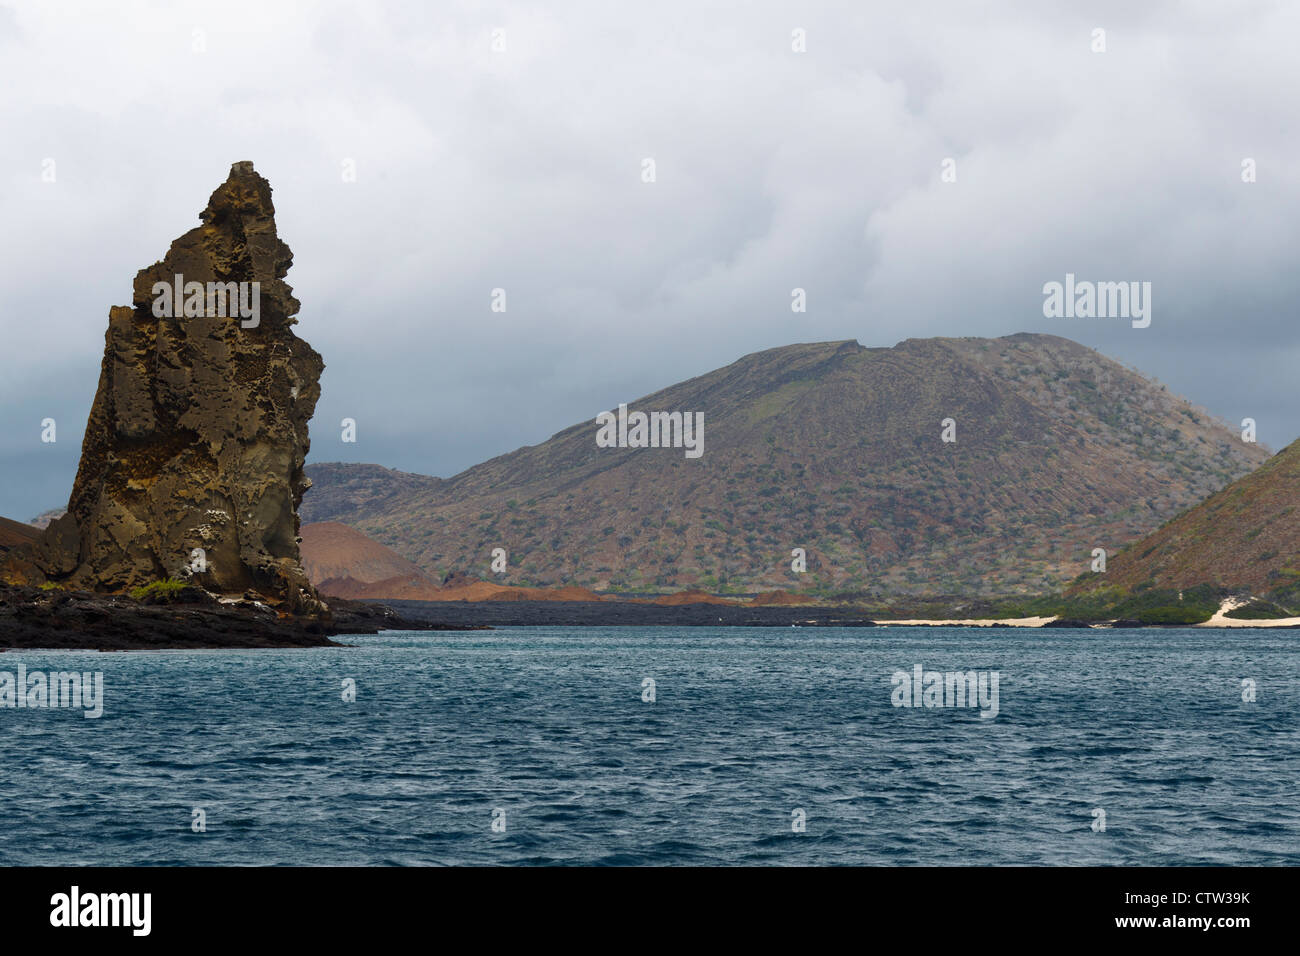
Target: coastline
(33,619)
(612,613)
(969,622)
(1220,618)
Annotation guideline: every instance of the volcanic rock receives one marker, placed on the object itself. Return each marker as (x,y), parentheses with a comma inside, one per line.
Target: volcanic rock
(192,462)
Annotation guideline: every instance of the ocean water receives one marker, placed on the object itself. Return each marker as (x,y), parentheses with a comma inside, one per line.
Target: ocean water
(545,729)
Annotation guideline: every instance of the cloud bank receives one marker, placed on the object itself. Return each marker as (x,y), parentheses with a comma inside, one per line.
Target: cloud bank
(502,146)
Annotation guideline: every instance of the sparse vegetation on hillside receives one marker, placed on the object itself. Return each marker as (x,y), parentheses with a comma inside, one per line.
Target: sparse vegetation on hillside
(835,449)
(1245,536)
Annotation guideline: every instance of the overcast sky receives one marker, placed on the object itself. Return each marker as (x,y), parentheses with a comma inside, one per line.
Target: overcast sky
(480,168)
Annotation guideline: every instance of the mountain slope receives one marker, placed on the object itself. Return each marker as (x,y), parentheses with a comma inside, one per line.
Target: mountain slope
(15,533)
(344,562)
(1245,536)
(834,448)
(346,489)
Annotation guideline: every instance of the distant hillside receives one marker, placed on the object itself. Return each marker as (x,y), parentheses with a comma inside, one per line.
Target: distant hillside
(1245,536)
(411,587)
(14,533)
(343,562)
(345,489)
(836,449)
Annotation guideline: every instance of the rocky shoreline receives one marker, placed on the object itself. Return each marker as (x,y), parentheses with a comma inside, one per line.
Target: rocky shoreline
(618,613)
(54,619)
(34,618)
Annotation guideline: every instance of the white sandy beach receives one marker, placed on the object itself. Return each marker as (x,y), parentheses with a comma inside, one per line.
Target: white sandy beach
(1221,619)
(971,622)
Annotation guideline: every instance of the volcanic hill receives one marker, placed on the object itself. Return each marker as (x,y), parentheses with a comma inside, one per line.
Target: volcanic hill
(1246,536)
(342,561)
(14,534)
(837,449)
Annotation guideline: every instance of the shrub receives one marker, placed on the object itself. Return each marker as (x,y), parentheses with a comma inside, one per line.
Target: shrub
(1167,606)
(159,592)
(1175,614)
(1258,611)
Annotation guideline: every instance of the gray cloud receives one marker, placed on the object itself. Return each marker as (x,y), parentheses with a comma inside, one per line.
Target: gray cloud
(521,169)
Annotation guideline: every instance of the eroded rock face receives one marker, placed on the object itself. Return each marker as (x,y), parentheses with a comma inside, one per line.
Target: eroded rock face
(198,433)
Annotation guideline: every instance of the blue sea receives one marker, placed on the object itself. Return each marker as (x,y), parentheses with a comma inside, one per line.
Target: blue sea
(751,733)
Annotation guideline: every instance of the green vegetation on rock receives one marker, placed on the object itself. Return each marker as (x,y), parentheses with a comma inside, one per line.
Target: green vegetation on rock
(159,592)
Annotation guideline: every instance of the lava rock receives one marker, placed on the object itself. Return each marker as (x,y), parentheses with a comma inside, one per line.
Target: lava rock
(198,432)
